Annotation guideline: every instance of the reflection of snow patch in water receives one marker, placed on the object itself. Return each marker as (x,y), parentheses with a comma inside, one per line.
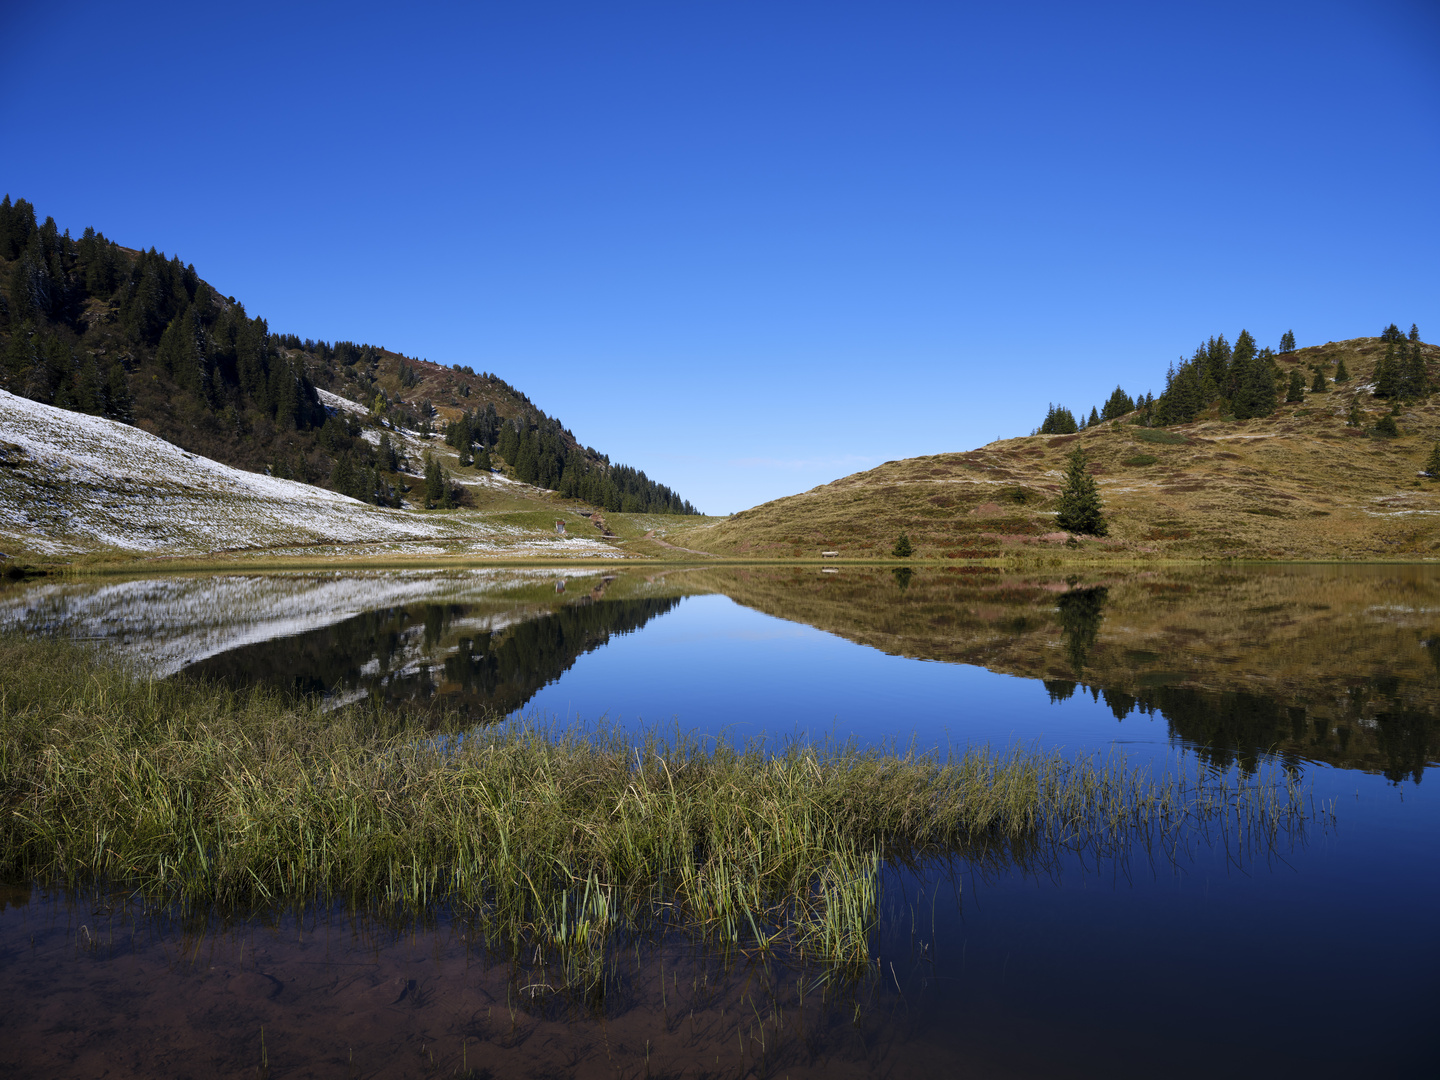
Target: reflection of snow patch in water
(167,624)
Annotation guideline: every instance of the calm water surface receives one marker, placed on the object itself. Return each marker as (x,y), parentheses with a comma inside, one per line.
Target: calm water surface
(1316,958)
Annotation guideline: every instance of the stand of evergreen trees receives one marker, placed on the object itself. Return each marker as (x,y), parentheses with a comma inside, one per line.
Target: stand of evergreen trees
(541,455)
(1245,382)
(1242,377)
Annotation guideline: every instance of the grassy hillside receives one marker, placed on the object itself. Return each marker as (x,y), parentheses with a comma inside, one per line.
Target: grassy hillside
(1302,483)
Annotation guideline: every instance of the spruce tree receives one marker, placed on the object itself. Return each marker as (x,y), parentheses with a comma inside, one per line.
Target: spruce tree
(902,548)
(1432,466)
(1387,373)
(482,460)
(434,483)
(1080,510)
(1094,417)
(1414,377)
(1414,332)
(1318,386)
(1342,373)
(1296,390)
(1287,341)
(1256,397)
(1385,426)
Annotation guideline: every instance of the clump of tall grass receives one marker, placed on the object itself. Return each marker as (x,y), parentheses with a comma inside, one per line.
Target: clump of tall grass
(201,794)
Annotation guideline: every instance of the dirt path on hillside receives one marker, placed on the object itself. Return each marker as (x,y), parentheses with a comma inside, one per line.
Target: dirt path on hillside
(675,547)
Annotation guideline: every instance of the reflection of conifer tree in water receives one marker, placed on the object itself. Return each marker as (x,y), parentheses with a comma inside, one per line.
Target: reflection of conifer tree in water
(903,574)
(1406,739)
(1080,615)
(1121,703)
(1059,690)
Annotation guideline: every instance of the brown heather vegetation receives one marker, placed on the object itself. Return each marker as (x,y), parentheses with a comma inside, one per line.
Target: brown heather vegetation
(1301,484)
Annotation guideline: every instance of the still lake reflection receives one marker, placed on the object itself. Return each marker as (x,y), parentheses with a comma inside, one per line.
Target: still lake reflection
(1316,959)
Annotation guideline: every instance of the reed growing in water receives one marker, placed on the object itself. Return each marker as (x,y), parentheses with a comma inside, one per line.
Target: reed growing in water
(204,795)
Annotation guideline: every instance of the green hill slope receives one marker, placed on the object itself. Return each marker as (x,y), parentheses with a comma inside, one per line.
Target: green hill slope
(1314,480)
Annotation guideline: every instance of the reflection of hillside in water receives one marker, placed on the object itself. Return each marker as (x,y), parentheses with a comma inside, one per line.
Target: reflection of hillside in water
(1333,664)
(452,656)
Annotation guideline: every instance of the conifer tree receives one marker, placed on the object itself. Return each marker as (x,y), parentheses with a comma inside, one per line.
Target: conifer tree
(1342,373)
(1414,377)
(1287,341)
(1319,385)
(1387,373)
(1094,417)
(1385,426)
(342,477)
(434,483)
(1414,332)
(1296,390)
(902,548)
(118,401)
(1392,334)
(482,460)
(20,357)
(1256,396)
(1080,510)
(386,453)
(1432,465)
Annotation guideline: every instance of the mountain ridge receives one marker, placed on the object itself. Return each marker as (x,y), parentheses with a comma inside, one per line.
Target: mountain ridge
(98,328)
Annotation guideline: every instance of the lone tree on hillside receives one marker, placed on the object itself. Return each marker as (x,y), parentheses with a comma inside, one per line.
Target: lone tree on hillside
(1080,510)
(1432,466)
(1319,386)
(902,548)
(1287,341)
(1342,373)
(1296,389)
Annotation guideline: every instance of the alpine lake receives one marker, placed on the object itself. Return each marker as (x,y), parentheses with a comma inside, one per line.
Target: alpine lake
(1308,949)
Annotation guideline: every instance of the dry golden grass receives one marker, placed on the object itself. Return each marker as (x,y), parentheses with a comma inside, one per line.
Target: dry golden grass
(1300,484)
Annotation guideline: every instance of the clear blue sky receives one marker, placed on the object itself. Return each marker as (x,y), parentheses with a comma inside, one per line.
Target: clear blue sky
(752,247)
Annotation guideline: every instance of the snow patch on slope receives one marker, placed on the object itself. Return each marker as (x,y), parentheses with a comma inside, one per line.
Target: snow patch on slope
(72,483)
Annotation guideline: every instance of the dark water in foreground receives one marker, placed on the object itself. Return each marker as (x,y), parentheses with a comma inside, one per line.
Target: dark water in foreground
(1317,957)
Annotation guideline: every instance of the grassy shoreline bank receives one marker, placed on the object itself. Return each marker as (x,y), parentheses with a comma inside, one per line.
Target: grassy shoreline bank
(91,567)
(197,794)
